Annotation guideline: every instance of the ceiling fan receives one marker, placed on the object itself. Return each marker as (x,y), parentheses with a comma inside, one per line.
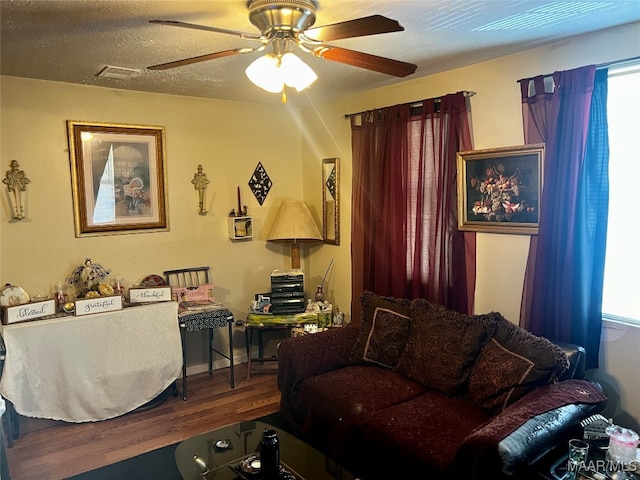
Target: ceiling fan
(285,23)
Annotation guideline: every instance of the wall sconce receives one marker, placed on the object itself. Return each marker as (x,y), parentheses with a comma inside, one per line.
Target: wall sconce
(240,223)
(200,182)
(16,182)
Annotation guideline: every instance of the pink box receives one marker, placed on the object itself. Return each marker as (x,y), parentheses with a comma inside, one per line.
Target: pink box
(189,294)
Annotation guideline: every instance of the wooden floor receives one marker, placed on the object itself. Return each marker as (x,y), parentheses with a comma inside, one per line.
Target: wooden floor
(65,450)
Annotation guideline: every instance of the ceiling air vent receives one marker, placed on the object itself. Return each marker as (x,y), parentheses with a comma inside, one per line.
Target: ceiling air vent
(121,73)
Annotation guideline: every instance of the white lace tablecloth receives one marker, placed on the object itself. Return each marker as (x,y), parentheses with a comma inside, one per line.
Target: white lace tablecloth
(93,367)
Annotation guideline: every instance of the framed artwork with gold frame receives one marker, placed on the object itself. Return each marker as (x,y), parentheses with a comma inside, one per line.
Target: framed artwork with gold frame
(331,201)
(118,177)
(499,189)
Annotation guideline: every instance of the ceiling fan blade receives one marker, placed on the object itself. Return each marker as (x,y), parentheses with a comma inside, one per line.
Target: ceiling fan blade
(175,23)
(201,58)
(359,27)
(365,60)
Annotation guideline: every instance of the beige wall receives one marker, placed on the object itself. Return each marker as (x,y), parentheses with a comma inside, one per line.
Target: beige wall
(497,122)
(227,138)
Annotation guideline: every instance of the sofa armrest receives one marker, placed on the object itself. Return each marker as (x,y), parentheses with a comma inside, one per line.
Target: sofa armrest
(577,360)
(302,357)
(530,428)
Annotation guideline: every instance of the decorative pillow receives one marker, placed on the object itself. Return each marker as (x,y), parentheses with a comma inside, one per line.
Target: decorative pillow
(442,346)
(513,363)
(384,319)
(387,338)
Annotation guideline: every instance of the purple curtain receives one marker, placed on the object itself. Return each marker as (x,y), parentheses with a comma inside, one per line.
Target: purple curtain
(405,241)
(562,298)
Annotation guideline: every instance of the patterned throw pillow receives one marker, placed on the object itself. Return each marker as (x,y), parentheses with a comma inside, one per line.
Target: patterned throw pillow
(442,346)
(387,338)
(513,363)
(383,318)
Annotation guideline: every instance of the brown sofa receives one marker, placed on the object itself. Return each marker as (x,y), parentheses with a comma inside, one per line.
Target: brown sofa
(419,391)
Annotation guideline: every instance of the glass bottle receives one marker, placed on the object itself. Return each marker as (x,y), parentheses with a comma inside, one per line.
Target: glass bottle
(118,288)
(270,455)
(61,298)
(338,317)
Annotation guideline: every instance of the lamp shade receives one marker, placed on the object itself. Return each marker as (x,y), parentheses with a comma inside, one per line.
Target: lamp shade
(272,72)
(264,73)
(294,224)
(296,73)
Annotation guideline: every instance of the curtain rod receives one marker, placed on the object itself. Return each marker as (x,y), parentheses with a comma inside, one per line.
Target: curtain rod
(466,93)
(601,65)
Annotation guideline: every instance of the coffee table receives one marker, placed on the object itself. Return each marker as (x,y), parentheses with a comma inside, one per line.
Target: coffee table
(244,438)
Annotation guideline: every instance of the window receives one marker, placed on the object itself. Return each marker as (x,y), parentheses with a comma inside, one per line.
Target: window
(621,294)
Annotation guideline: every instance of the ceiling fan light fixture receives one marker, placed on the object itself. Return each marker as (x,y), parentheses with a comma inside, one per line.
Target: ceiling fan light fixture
(272,74)
(264,73)
(296,73)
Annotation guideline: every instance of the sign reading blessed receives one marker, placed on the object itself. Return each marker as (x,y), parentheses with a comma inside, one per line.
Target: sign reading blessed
(29,311)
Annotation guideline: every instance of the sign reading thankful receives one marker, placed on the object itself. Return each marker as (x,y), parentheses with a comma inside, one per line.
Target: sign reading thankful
(154,294)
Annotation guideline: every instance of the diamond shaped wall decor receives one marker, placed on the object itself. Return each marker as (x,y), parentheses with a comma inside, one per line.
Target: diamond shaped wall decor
(260,183)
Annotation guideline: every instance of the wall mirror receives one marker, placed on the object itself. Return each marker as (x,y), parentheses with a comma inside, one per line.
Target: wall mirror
(331,201)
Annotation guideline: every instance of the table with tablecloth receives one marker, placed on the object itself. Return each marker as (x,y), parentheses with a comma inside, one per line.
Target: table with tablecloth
(92,367)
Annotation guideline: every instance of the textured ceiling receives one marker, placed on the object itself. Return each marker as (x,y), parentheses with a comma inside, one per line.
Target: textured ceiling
(73,40)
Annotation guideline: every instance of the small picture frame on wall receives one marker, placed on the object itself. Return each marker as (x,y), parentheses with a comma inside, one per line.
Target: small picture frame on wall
(499,189)
(118,178)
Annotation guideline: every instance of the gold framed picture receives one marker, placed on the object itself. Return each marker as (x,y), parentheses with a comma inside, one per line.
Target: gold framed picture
(118,178)
(499,189)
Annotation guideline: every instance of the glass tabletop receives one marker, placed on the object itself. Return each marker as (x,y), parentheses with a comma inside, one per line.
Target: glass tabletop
(225,448)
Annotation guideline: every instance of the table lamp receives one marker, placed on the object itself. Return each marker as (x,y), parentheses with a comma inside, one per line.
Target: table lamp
(295,225)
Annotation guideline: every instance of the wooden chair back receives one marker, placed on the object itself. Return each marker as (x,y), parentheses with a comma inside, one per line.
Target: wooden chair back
(187,277)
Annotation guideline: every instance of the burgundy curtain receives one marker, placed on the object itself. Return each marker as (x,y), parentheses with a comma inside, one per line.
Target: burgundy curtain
(405,241)
(562,297)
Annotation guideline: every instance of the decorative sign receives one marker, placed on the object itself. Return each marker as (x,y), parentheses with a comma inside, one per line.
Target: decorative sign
(152,294)
(87,306)
(28,311)
(260,183)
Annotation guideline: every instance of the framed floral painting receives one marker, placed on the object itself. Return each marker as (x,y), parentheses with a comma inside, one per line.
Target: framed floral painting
(499,189)
(118,178)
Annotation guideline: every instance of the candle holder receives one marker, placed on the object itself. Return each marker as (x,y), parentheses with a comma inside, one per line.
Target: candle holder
(16,182)
(200,182)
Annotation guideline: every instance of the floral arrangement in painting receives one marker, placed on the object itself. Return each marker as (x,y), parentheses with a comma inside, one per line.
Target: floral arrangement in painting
(138,203)
(502,194)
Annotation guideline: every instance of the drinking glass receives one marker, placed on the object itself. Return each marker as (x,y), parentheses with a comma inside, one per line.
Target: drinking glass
(578,451)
